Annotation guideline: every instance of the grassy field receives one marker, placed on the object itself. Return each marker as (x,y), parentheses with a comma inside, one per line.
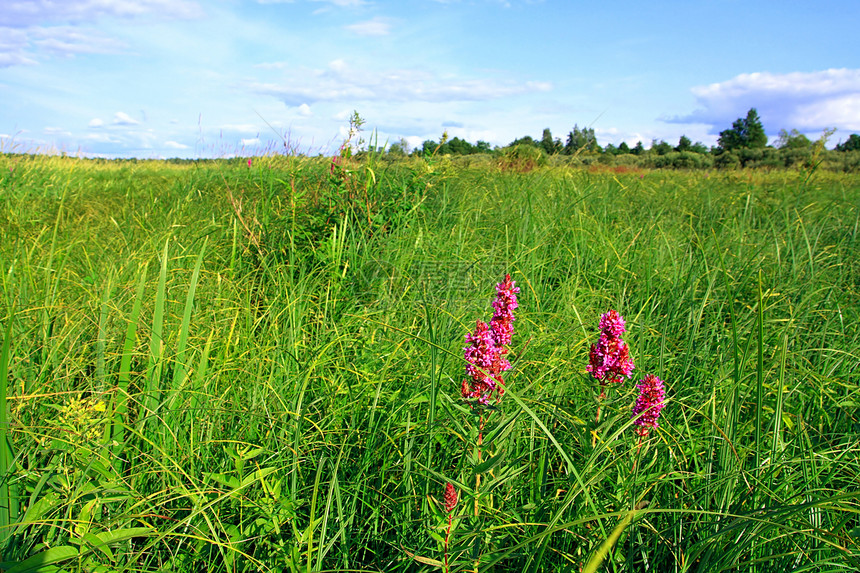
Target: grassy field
(220,367)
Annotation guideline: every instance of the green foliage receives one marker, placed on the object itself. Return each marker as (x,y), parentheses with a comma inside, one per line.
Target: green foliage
(660,147)
(195,383)
(549,145)
(852,144)
(522,158)
(745,133)
(580,140)
(684,144)
(792,140)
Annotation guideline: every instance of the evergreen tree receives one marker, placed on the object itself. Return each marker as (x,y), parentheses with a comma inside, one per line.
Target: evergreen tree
(548,144)
(580,139)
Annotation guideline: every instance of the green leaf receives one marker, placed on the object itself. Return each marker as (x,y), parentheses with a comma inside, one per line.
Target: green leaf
(490,463)
(596,559)
(224,479)
(500,428)
(118,535)
(255,476)
(40,562)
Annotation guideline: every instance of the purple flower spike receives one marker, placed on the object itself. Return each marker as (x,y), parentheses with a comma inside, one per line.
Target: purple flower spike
(485,355)
(504,306)
(609,359)
(648,404)
(612,323)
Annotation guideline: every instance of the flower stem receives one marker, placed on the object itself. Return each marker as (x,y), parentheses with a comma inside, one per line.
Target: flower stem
(447,537)
(477,475)
(638,450)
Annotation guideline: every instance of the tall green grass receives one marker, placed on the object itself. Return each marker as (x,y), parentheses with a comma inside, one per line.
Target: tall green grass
(215,368)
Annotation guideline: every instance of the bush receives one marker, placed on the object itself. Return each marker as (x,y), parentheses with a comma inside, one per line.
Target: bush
(522,158)
(727,160)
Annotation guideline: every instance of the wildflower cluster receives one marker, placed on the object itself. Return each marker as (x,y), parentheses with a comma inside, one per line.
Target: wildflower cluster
(81,422)
(609,359)
(485,354)
(648,404)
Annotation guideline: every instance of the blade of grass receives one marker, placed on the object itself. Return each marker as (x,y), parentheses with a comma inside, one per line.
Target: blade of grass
(151,391)
(121,407)
(8,497)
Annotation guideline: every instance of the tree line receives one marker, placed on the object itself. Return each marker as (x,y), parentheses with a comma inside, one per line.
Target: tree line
(744,144)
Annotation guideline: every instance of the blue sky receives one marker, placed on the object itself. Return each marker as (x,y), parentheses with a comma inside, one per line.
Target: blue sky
(204,78)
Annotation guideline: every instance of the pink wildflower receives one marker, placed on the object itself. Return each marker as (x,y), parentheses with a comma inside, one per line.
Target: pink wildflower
(249,162)
(485,354)
(503,317)
(609,359)
(612,323)
(648,404)
(483,359)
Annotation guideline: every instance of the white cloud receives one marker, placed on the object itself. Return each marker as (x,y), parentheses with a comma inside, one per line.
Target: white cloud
(251,141)
(341,83)
(16,58)
(122,118)
(807,101)
(60,27)
(375,27)
(96,123)
(240,127)
(67,40)
(13,46)
(54,131)
(101,138)
(305,110)
(20,14)
(175,145)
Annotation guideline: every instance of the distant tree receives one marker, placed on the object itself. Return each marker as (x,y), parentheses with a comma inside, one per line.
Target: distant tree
(746,133)
(792,140)
(398,148)
(660,147)
(610,149)
(853,143)
(459,146)
(428,147)
(548,144)
(482,147)
(699,147)
(638,149)
(525,140)
(684,144)
(623,149)
(580,139)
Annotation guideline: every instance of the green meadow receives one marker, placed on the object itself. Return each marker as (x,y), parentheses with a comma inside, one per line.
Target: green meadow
(215,367)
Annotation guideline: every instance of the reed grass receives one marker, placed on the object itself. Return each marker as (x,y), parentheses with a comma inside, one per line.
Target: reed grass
(211,367)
